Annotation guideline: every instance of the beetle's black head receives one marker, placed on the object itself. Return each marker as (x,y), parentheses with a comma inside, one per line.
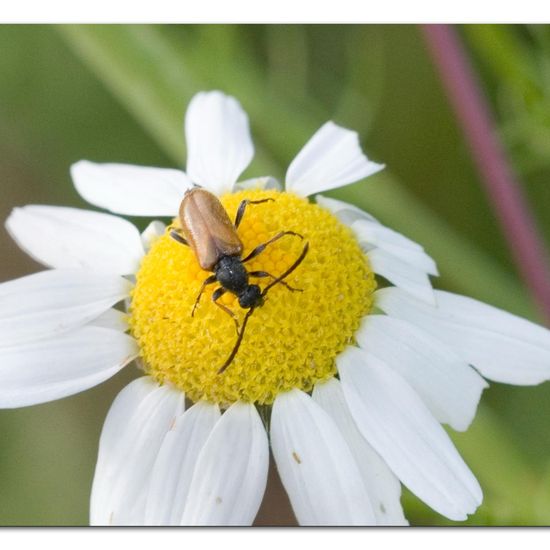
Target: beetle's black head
(251,296)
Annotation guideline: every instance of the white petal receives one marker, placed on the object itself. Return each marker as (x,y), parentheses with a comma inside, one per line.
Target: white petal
(382,486)
(447,384)
(345,212)
(68,238)
(113,319)
(473,312)
(49,303)
(379,235)
(503,347)
(263,182)
(44,370)
(131,190)
(399,426)
(231,472)
(403,275)
(124,405)
(173,470)
(374,234)
(219,146)
(133,432)
(151,233)
(331,158)
(316,466)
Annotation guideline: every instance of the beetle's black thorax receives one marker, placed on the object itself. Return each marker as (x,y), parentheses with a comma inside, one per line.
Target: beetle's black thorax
(231,274)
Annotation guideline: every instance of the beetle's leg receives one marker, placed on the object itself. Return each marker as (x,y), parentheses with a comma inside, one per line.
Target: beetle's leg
(205,283)
(242,207)
(260,248)
(218,293)
(175,234)
(280,278)
(266,274)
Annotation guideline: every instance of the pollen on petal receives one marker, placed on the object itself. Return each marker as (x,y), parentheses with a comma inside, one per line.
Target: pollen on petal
(290,342)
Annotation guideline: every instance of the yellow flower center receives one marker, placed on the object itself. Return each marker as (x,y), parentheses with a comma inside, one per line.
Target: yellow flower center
(291,341)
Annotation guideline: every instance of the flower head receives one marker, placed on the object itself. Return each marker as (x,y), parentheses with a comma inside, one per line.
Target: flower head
(291,341)
(355,357)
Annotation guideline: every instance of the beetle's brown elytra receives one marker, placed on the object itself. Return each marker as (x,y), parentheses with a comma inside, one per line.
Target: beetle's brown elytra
(208,230)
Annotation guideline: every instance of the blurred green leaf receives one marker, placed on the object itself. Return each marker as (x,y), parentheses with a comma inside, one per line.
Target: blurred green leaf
(541,501)
(361,98)
(287,60)
(507,54)
(519,60)
(506,478)
(136,63)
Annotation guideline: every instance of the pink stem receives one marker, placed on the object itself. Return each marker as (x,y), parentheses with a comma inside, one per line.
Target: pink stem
(507,199)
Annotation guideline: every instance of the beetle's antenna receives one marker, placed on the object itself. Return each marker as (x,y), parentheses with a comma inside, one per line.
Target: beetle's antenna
(279,279)
(238,342)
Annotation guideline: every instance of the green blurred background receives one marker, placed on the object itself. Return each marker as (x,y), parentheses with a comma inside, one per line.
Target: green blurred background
(119,93)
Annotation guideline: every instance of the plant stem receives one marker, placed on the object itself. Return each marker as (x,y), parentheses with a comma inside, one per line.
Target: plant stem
(506,196)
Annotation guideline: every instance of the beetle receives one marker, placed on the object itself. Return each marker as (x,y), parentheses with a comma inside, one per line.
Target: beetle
(207,229)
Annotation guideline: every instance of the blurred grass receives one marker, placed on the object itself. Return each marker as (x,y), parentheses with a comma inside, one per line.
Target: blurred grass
(118,93)
(516,73)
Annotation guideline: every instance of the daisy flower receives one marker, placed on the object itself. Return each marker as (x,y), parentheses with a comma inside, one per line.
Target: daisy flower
(348,370)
